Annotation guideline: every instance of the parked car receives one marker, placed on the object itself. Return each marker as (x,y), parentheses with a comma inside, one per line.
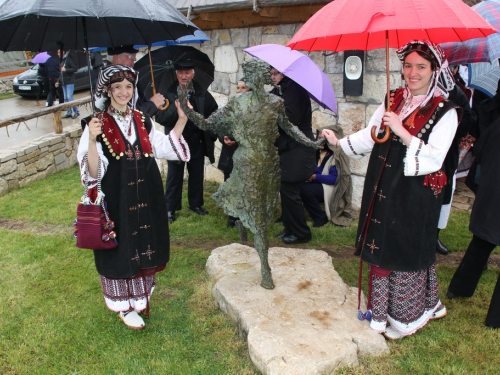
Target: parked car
(25,83)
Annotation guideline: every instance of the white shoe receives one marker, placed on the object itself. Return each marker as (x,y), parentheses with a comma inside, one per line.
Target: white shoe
(439,313)
(132,320)
(391,334)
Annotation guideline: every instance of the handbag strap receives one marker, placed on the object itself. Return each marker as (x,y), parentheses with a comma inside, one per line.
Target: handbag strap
(100,194)
(99,177)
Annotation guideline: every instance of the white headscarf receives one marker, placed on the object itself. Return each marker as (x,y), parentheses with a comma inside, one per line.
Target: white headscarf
(441,81)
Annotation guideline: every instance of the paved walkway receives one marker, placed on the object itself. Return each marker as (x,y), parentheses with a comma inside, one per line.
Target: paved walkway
(463,198)
(14,135)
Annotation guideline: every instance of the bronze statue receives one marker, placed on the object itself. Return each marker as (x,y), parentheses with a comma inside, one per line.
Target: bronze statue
(251,192)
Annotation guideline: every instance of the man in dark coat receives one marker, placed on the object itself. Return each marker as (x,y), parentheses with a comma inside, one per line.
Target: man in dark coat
(297,161)
(484,220)
(201,143)
(52,71)
(69,66)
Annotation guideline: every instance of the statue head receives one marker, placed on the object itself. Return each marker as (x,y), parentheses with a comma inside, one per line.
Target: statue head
(257,74)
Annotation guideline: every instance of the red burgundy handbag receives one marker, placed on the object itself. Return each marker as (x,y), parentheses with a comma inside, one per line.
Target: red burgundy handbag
(93,228)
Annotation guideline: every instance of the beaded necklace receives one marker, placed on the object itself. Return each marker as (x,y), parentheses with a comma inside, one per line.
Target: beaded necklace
(124,117)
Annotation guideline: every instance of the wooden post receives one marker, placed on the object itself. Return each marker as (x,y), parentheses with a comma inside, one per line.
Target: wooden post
(58,122)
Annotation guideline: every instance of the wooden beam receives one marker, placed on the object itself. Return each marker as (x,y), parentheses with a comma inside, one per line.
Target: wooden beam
(270,12)
(45,111)
(246,18)
(212,17)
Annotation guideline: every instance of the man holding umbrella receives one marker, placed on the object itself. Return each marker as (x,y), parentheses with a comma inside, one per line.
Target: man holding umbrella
(125,55)
(200,143)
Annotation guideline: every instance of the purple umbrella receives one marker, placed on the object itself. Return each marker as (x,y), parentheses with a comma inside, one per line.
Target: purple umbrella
(41,58)
(300,68)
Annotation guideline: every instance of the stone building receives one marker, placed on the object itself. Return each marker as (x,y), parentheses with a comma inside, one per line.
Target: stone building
(234,25)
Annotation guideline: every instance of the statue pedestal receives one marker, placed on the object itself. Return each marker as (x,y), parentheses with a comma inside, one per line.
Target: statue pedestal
(307,325)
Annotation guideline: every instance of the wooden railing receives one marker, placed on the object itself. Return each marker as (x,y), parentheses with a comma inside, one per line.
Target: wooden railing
(56,110)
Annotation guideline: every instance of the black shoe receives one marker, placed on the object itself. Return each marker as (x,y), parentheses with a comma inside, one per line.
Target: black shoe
(440,248)
(75,115)
(320,222)
(231,222)
(291,239)
(450,295)
(282,234)
(67,115)
(198,210)
(171,216)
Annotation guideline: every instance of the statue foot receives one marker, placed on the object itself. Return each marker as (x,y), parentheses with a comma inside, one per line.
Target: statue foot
(242,231)
(267,283)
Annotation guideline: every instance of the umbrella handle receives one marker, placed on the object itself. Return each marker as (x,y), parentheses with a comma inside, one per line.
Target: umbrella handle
(167,103)
(165,106)
(381,140)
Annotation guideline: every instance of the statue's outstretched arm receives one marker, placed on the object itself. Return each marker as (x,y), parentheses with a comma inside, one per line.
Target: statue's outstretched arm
(218,122)
(295,132)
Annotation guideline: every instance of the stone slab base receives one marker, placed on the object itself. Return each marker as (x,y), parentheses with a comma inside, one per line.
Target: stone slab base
(306,325)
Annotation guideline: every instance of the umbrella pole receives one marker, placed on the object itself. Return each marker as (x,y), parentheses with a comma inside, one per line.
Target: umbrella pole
(388,103)
(151,70)
(387,71)
(165,106)
(89,66)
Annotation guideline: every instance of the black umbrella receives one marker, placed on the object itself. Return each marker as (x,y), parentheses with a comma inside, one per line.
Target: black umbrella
(162,62)
(38,25)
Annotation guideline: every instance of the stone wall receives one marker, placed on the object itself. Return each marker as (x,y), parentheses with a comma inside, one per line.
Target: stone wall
(6,85)
(226,51)
(37,159)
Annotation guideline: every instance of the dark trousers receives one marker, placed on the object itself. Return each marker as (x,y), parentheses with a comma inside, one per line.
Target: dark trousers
(175,175)
(42,87)
(312,195)
(52,89)
(468,273)
(292,210)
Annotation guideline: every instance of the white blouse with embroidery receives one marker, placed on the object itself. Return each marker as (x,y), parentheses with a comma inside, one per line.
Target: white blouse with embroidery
(421,158)
(164,146)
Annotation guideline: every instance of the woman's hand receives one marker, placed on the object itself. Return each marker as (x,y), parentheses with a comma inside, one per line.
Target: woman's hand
(180,112)
(95,129)
(330,136)
(312,178)
(392,120)
(182,120)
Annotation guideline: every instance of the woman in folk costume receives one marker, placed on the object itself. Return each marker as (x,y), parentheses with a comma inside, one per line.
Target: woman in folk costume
(402,193)
(133,191)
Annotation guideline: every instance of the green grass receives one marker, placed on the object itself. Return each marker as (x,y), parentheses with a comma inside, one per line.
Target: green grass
(7,95)
(53,319)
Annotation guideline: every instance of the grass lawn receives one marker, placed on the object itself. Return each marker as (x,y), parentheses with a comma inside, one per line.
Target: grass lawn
(54,320)
(7,95)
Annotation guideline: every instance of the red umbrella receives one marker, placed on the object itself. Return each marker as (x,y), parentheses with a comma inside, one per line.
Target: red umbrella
(365,25)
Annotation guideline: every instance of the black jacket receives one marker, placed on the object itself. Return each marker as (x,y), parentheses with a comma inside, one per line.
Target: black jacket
(226,156)
(69,62)
(467,119)
(296,160)
(203,103)
(52,68)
